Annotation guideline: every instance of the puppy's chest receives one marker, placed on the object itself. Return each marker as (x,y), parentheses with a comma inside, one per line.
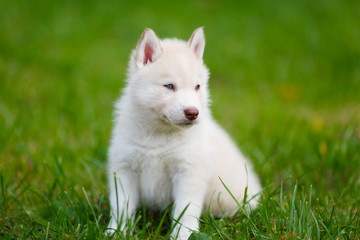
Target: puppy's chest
(155,171)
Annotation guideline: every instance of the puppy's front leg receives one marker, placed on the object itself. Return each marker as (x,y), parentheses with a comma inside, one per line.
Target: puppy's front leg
(124,198)
(188,192)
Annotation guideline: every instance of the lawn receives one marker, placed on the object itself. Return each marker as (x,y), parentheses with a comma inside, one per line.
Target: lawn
(285,83)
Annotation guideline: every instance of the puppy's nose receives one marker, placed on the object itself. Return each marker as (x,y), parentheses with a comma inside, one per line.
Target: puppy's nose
(191,113)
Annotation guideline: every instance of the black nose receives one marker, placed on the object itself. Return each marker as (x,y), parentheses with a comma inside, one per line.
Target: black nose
(191,113)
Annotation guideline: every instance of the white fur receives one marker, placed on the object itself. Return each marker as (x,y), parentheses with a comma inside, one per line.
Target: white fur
(161,157)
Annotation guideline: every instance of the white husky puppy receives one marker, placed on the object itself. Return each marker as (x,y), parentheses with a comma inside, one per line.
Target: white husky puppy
(165,146)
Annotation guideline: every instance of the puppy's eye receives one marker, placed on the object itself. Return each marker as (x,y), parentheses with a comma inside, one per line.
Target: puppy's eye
(169,86)
(197,87)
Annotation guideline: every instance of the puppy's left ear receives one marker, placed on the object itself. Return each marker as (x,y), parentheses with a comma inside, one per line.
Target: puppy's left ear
(197,42)
(148,48)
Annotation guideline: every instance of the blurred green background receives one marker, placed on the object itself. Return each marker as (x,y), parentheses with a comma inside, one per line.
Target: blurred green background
(285,82)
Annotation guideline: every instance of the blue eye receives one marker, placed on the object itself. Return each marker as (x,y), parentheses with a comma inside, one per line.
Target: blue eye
(197,87)
(169,86)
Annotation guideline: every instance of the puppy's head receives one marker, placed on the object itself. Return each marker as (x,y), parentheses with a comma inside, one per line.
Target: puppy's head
(168,79)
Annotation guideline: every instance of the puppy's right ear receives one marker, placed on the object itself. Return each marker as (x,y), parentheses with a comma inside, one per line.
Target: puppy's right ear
(148,48)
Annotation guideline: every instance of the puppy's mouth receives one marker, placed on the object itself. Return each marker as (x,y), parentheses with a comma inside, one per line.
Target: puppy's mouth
(184,124)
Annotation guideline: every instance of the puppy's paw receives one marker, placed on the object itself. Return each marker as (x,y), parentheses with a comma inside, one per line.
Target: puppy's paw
(109,232)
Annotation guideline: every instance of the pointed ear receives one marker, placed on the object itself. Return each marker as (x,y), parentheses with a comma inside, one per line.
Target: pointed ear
(148,48)
(197,42)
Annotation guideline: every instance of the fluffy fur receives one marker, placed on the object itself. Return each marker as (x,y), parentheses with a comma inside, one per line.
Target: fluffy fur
(159,154)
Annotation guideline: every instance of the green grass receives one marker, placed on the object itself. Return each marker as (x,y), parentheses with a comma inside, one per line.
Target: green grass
(285,82)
